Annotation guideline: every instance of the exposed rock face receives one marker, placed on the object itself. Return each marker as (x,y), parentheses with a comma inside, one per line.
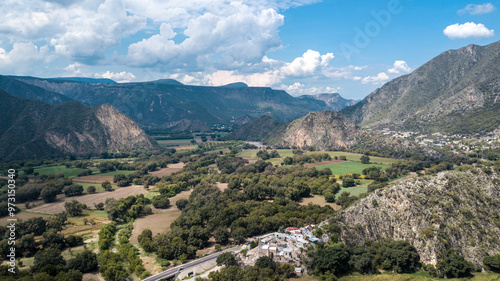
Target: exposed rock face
(322,129)
(456,92)
(458,210)
(32,129)
(121,132)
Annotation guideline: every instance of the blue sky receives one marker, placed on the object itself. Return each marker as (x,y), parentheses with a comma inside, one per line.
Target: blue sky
(301,46)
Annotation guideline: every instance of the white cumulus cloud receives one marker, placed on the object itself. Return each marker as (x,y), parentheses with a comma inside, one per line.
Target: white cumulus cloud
(18,59)
(468,30)
(212,40)
(399,66)
(259,79)
(120,77)
(297,89)
(379,79)
(308,64)
(475,9)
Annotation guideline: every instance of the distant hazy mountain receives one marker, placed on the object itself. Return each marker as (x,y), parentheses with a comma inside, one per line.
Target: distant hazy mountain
(32,129)
(262,129)
(333,101)
(236,85)
(168,82)
(85,79)
(159,103)
(28,91)
(456,92)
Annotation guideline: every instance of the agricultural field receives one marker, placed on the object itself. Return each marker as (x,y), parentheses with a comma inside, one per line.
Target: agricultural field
(76,225)
(319,200)
(98,187)
(23,215)
(93,179)
(52,170)
(252,153)
(160,220)
(178,142)
(89,199)
(171,168)
(355,190)
(349,167)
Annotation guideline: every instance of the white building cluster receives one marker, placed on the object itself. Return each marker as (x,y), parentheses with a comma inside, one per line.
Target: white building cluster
(288,246)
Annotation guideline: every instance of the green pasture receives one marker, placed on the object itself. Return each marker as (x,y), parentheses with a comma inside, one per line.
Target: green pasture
(355,190)
(252,153)
(52,170)
(178,142)
(349,167)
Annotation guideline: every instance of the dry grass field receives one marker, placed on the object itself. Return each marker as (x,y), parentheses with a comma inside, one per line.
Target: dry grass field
(221,186)
(76,225)
(23,216)
(89,199)
(172,168)
(319,200)
(160,220)
(96,179)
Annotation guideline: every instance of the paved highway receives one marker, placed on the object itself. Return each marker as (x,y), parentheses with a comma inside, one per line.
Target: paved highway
(188,266)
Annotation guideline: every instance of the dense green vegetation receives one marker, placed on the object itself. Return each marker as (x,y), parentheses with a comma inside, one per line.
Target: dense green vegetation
(209,211)
(265,269)
(241,211)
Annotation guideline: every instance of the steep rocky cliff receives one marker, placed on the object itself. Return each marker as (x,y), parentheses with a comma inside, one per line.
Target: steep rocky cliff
(452,209)
(322,130)
(31,129)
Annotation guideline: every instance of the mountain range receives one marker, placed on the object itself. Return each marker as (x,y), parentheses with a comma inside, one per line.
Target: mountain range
(456,92)
(158,104)
(34,129)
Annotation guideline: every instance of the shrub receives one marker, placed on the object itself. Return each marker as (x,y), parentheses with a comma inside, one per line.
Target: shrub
(91,189)
(73,190)
(161,202)
(49,194)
